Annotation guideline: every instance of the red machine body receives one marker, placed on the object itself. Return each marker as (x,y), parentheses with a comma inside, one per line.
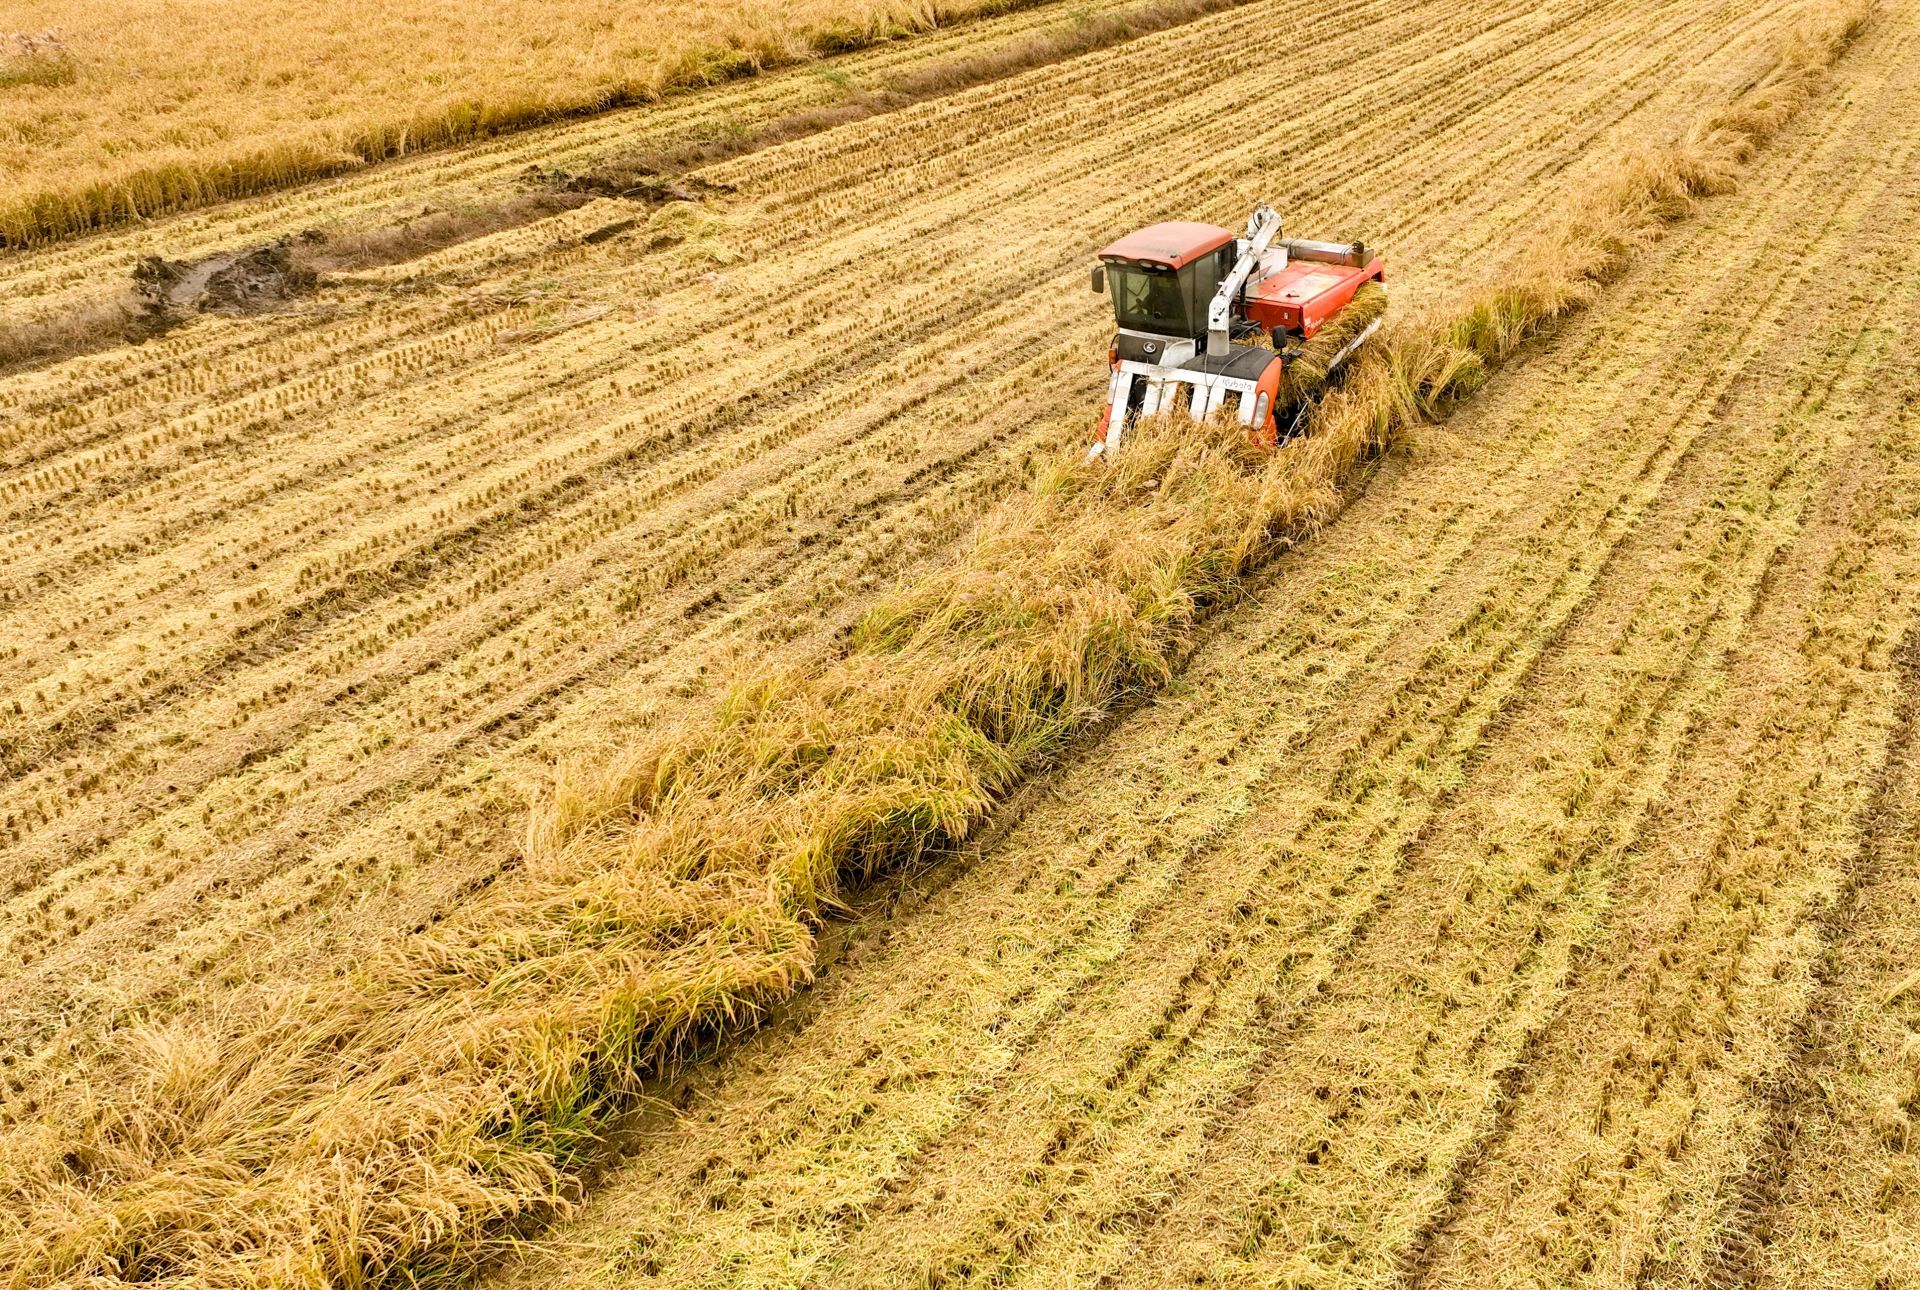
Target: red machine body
(1172,245)
(1303,295)
(1188,297)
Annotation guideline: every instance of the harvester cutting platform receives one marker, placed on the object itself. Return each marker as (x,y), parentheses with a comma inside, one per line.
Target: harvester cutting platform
(1186,294)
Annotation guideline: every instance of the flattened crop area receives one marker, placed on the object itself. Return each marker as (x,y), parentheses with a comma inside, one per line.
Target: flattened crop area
(1518,893)
(298,608)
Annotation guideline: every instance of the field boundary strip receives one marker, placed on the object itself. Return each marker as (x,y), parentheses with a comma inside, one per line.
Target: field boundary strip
(390,1125)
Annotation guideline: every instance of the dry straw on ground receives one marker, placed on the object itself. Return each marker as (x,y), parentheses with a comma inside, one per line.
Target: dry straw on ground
(377,1127)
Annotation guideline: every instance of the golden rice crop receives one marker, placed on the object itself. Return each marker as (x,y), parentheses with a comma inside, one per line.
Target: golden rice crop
(120,111)
(379,1125)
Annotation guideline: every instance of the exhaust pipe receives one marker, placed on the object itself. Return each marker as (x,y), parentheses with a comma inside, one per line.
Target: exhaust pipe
(1352,254)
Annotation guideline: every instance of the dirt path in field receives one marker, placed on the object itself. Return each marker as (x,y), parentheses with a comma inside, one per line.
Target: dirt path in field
(1518,893)
(298,610)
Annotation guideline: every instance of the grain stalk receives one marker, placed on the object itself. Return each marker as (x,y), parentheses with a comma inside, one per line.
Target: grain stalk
(148,189)
(382,1126)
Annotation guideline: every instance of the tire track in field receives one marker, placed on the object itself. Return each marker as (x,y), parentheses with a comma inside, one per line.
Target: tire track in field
(1524,694)
(1526,699)
(1777,1202)
(1579,1207)
(1062,1008)
(1517,1081)
(1485,1260)
(210,878)
(747,1193)
(1131,1055)
(1826,1195)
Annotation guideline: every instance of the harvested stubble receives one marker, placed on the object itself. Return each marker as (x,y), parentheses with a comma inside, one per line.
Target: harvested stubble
(377,1127)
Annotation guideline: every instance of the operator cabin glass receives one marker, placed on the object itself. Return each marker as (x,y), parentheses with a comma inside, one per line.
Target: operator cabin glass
(1148,300)
(1164,301)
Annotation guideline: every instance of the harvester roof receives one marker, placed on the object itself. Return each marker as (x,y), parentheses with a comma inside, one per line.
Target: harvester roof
(1172,245)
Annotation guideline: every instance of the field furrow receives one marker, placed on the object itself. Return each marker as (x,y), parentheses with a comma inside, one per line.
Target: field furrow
(1513,889)
(1450,919)
(303,607)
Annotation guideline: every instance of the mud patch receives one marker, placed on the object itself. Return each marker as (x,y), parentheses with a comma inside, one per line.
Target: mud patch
(634,182)
(237,284)
(161,295)
(259,280)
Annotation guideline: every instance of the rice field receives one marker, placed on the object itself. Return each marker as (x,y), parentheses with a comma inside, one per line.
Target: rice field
(1498,884)
(119,111)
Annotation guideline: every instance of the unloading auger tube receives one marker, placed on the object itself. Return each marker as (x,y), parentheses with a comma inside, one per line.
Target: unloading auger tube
(1186,295)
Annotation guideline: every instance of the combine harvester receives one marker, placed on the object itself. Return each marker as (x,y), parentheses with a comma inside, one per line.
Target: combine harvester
(1183,293)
